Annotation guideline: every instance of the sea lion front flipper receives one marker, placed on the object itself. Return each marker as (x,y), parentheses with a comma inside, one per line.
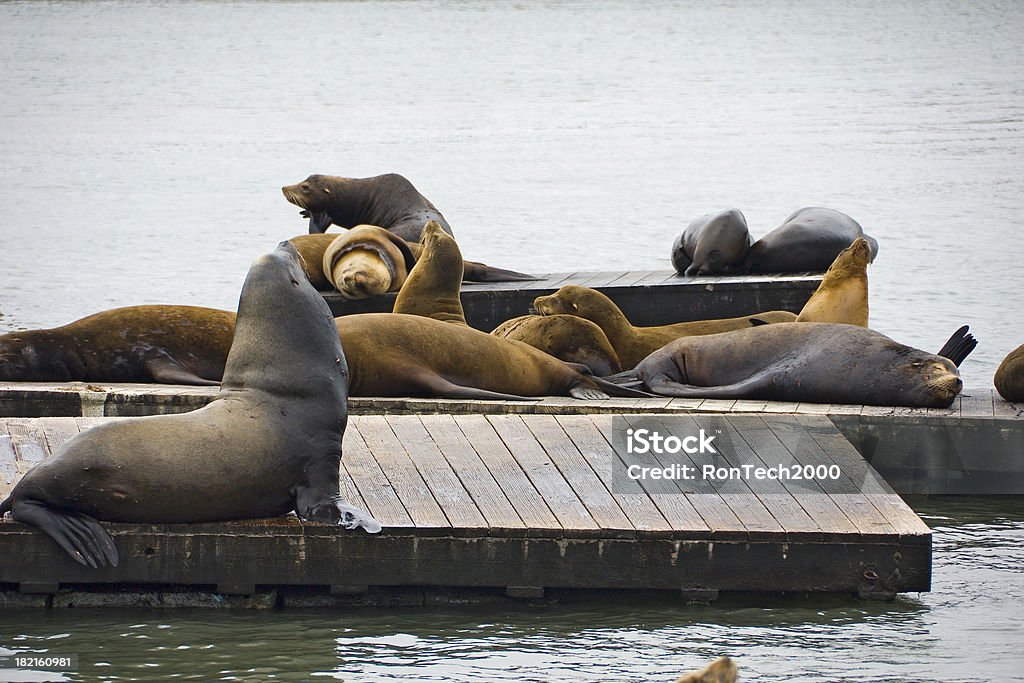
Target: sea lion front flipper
(318,222)
(586,392)
(353,518)
(166,370)
(315,503)
(81,536)
(481,272)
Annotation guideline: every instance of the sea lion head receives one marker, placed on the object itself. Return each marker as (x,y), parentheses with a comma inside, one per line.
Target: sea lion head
(435,243)
(17,357)
(852,260)
(313,196)
(579,301)
(723,244)
(932,381)
(366,261)
(722,670)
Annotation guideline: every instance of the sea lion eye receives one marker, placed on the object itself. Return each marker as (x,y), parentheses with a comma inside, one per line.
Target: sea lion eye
(304,187)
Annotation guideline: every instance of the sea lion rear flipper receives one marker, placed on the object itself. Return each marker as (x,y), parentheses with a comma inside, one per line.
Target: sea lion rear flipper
(168,371)
(318,222)
(959,346)
(663,386)
(81,536)
(629,378)
(434,385)
(481,272)
(353,518)
(619,390)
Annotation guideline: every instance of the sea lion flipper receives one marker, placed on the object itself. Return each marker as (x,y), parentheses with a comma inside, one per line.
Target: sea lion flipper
(959,346)
(432,384)
(168,371)
(662,385)
(67,529)
(318,222)
(353,518)
(481,272)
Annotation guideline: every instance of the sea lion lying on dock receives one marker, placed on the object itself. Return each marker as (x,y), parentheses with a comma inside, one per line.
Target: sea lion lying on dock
(633,344)
(807,241)
(392,354)
(432,288)
(1009,378)
(809,362)
(722,670)
(388,200)
(566,337)
(167,344)
(713,243)
(270,443)
(842,296)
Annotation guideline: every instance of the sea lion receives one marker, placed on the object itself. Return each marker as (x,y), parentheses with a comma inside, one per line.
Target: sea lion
(1009,378)
(722,670)
(167,344)
(268,444)
(633,344)
(432,288)
(809,362)
(567,337)
(393,354)
(713,243)
(808,241)
(842,296)
(388,200)
(366,261)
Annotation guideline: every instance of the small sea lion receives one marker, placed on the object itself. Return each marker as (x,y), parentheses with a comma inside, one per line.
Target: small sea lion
(722,670)
(1009,378)
(388,200)
(270,443)
(842,296)
(432,288)
(367,261)
(808,241)
(713,243)
(809,362)
(393,354)
(566,337)
(633,344)
(157,343)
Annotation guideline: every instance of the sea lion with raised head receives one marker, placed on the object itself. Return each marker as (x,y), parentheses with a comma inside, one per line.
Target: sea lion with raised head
(842,296)
(722,670)
(633,344)
(388,200)
(807,241)
(711,244)
(157,343)
(393,354)
(269,444)
(1009,378)
(433,286)
(566,337)
(809,362)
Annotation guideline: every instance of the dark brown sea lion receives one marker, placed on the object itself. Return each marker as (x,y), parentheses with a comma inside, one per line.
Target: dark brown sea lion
(714,243)
(432,288)
(392,354)
(809,362)
(269,444)
(808,241)
(1009,378)
(722,670)
(842,296)
(388,200)
(167,344)
(566,337)
(633,344)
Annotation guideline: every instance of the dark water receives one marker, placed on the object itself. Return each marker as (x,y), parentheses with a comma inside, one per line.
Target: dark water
(144,144)
(967,629)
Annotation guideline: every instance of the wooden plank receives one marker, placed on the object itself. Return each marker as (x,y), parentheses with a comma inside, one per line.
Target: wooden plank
(657,277)
(452,459)
(600,280)
(58,430)
(643,514)
(577,471)
(373,485)
(717,405)
(390,454)
(507,477)
(8,462)
(29,443)
(977,403)
(629,278)
(747,406)
(572,514)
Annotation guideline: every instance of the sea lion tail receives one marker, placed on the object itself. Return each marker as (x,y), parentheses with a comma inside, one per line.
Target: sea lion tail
(79,535)
(959,346)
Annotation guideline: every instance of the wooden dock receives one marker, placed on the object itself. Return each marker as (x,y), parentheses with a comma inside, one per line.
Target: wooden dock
(972,447)
(524,504)
(655,297)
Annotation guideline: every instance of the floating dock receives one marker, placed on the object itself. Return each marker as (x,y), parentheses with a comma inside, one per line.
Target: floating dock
(657,297)
(525,504)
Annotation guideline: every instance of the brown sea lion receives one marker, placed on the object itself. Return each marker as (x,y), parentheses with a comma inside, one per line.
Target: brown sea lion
(167,344)
(566,337)
(388,200)
(713,243)
(269,444)
(722,670)
(842,296)
(1009,378)
(392,354)
(810,362)
(807,241)
(633,344)
(367,261)
(432,288)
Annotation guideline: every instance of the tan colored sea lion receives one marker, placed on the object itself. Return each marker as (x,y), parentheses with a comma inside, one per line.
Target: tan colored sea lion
(1009,378)
(392,354)
(633,344)
(722,670)
(842,296)
(432,288)
(157,343)
(566,337)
